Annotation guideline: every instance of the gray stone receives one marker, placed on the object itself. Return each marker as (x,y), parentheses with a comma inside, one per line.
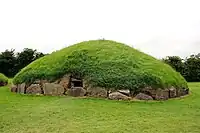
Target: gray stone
(37,82)
(76,80)
(142,96)
(65,81)
(162,94)
(53,89)
(149,91)
(96,92)
(118,96)
(3,83)
(186,91)
(34,89)
(76,92)
(172,92)
(42,82)
(86,85)
(13,88)
(157,94)
(182,92)
(21,88)
(125,92)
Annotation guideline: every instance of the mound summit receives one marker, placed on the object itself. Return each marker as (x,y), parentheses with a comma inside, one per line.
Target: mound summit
(100,68)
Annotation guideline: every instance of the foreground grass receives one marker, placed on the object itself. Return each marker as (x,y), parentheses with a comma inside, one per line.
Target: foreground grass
(37,114)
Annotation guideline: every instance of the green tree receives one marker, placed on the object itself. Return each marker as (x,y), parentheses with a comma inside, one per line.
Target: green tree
(175,62)
(189,67)
(11,63)
(7,62)
(192,68)
(26,57)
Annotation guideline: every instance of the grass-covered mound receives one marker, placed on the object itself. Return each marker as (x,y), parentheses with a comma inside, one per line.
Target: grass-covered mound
(3,80)
(103,63)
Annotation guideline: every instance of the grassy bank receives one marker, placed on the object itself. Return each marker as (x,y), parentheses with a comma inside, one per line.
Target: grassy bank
(3,80)
(106,64)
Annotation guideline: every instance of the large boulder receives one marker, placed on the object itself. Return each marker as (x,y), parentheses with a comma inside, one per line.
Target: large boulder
(149,91)
(86,84)
(162,94)
(76,92)
(21,88)
(118,96)
(142,96)
(3,84)
(65,81)
(182,92)
(186,91)
(157,94)
(13,88)
(172,92)
(34,89)
(96,92)
(53,89)
(125,92)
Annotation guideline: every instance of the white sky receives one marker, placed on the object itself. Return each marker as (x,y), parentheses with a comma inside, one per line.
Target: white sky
(157,27)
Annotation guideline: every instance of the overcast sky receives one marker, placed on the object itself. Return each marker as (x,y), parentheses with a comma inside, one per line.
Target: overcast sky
(157,27)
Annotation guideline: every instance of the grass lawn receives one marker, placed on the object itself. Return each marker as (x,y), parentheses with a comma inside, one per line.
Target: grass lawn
(38,114)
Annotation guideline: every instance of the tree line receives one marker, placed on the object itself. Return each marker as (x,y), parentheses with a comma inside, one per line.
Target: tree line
(189,67)
(12,62)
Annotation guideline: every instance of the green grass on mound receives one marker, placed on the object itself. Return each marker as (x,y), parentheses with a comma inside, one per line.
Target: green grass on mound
(3,79)
(106,64)
(44,114)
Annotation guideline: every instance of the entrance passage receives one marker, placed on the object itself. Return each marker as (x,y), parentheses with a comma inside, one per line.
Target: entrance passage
(76,83)
(76,88)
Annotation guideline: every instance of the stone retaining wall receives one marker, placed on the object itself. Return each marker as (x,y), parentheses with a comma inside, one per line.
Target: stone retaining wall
(65,86)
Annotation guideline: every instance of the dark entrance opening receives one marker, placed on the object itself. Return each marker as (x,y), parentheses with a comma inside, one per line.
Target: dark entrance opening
(76,83)
(76,87)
